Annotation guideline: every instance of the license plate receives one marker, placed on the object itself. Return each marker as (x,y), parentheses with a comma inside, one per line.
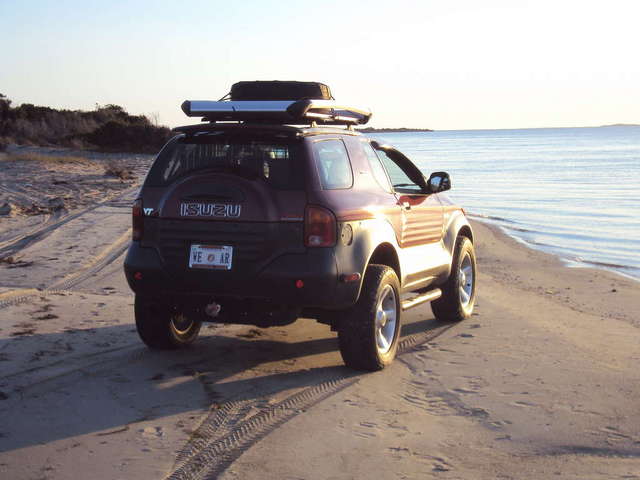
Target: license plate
(215,257)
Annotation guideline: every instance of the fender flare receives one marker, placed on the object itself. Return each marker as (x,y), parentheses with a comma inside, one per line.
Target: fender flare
(369,236)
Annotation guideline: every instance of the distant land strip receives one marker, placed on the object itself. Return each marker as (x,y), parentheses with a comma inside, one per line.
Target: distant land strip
(622,125)
(392,130)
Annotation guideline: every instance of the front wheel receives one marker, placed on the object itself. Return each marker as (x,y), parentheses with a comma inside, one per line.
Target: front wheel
(459,291)
(368,334)
(161,327)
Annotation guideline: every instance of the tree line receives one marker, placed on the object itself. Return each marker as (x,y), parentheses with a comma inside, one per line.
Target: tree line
(108,127)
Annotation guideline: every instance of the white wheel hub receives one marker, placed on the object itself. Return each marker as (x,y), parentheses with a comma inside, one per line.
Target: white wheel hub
(386,319)
(465,280)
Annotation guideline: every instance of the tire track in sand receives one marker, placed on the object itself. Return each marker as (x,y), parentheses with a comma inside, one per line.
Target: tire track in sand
(97,263)
(222,437)
(14,245)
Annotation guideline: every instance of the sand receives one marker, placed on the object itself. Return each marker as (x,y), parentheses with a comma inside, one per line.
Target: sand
(41,187)
(542,381)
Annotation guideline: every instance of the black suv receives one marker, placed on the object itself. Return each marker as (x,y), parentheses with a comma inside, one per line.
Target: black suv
(277,208)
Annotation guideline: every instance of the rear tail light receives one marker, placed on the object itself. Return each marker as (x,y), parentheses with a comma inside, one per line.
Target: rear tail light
(319,227)
(137,220)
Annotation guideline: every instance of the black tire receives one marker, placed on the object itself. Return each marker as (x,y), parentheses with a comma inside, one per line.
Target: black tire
(459,291)
(358,331)
(161,327)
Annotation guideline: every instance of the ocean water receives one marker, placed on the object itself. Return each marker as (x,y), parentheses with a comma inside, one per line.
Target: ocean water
(573,192)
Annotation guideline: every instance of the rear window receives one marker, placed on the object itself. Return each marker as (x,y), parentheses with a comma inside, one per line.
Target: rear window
(271,162)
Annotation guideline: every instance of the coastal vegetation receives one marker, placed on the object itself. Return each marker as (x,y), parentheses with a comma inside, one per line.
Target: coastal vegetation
(107,127)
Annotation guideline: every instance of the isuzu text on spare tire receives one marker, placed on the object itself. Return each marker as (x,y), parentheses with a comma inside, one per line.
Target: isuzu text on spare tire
(275,208)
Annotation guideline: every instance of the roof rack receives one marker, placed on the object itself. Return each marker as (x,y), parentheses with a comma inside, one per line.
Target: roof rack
(266,128)
(328,112)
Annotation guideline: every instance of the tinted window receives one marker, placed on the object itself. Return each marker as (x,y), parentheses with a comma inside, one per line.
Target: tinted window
(260,160)
(333,164)
(376,167)
(400,180)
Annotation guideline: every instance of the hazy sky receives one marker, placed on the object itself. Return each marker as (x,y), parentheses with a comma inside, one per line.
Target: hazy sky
(433,64)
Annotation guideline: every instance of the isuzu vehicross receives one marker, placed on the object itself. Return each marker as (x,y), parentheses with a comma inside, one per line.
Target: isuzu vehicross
(275,208)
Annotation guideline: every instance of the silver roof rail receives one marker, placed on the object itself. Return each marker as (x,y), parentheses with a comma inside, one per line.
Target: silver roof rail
(278,111)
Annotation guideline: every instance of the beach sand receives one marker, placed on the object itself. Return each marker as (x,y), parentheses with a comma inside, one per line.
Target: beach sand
(541,382)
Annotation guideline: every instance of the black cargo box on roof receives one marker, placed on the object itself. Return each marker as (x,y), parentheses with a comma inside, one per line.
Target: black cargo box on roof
(280,90)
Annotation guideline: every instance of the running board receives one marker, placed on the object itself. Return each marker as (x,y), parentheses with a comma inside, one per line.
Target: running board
(422,298)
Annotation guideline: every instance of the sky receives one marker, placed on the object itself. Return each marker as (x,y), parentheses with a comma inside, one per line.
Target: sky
(445,65)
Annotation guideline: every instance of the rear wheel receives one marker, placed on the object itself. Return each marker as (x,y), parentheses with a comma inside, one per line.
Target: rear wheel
(369,332)
(161,327)
(459,292)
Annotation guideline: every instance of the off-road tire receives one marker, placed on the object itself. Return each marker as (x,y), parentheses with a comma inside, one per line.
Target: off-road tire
(162,328)
(451,306)
(357,330)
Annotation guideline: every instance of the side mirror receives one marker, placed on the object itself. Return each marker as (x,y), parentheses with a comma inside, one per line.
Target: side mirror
(439,182)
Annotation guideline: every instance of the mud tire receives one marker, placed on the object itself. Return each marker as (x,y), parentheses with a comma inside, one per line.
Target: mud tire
(357,331)
(161,327)
(451,307)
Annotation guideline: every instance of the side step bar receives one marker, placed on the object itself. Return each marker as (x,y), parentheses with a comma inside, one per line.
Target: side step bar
(421,298)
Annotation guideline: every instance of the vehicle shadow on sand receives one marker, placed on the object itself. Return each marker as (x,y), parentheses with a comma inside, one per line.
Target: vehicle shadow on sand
(134,384)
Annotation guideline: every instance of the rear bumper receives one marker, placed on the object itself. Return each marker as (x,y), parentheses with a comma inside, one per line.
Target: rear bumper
(276,282)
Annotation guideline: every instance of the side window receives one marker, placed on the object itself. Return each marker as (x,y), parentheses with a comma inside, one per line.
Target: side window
(376,167)
(333,164)
(400,180)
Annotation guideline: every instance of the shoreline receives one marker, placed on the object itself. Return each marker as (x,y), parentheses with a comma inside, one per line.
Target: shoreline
(568,262)
(549,274)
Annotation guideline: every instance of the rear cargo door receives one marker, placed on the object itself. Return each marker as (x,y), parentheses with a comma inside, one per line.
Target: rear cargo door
(233,196)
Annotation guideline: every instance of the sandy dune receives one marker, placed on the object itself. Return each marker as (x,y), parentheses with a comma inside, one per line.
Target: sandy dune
(542,382)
